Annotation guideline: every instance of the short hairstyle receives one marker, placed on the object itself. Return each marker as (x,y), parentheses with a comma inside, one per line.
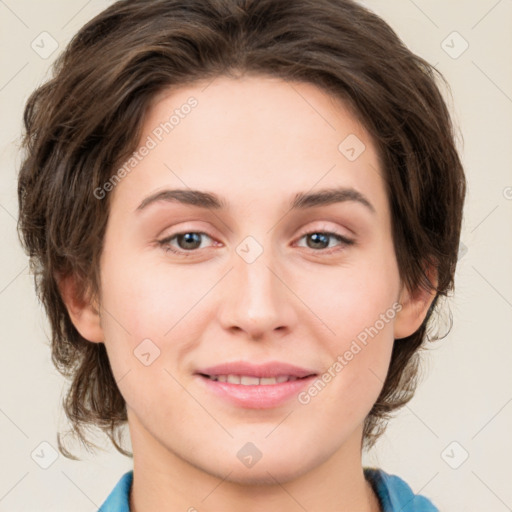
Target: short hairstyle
(87,118)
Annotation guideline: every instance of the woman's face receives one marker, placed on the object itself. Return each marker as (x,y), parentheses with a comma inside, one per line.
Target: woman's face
(268,269)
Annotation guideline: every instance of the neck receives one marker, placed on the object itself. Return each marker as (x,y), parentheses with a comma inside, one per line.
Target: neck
(163,481)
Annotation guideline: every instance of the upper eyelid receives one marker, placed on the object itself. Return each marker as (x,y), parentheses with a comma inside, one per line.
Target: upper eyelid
(323,228)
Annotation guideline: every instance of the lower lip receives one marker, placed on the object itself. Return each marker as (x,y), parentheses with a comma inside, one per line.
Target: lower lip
(258,396)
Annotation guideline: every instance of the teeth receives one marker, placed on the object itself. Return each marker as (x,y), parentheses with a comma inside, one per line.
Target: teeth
(233,379)
(248,380)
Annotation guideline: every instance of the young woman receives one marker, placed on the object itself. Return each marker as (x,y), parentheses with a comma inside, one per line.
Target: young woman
(241,214)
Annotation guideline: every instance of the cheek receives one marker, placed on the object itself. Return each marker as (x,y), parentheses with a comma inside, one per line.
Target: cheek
(352,298)
(159,303)
(148,300)
(147,331)
(359,306)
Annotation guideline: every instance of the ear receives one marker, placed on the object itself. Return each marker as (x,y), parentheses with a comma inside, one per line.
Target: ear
(83,311)
(415,306)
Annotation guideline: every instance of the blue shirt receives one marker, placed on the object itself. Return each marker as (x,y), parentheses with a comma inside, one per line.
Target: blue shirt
(393,493)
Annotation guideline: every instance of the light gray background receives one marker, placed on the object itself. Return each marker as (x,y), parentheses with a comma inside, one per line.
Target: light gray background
(464,404)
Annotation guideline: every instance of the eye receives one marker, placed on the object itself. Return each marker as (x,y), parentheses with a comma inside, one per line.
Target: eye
(320,240)
(187,242)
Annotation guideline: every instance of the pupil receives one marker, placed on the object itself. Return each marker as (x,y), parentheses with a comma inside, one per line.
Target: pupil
(190,238)
(320,238)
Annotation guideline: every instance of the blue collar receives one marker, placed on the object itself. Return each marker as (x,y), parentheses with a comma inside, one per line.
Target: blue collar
(119,499)
(394,494)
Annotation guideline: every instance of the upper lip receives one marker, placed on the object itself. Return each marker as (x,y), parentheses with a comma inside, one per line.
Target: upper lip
(270,369)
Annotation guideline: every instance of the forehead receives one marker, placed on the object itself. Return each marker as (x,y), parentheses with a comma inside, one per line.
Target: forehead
(251,138)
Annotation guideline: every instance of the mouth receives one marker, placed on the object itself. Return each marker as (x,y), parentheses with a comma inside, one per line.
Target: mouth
(255,387)
(251,380)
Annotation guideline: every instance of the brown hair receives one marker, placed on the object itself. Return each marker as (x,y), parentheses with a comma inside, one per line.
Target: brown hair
(88,117)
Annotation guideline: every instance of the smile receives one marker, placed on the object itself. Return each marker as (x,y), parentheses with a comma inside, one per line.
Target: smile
(249,392)
(248,380)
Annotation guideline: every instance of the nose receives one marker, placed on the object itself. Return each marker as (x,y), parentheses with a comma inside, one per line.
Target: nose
(258,301)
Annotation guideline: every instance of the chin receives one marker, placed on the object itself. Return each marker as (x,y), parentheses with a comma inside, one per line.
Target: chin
(267,475)
(266,471)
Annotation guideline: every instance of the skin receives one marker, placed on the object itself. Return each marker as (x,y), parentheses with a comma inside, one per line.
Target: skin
(256,141)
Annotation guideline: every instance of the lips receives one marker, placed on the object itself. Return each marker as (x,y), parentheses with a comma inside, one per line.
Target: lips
(250,380)
(267,370)
(255,386)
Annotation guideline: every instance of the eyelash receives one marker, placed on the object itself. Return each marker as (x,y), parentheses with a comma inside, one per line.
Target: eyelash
(165,243)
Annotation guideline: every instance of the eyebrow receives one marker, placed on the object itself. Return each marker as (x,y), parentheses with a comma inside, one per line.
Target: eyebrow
(300,201)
